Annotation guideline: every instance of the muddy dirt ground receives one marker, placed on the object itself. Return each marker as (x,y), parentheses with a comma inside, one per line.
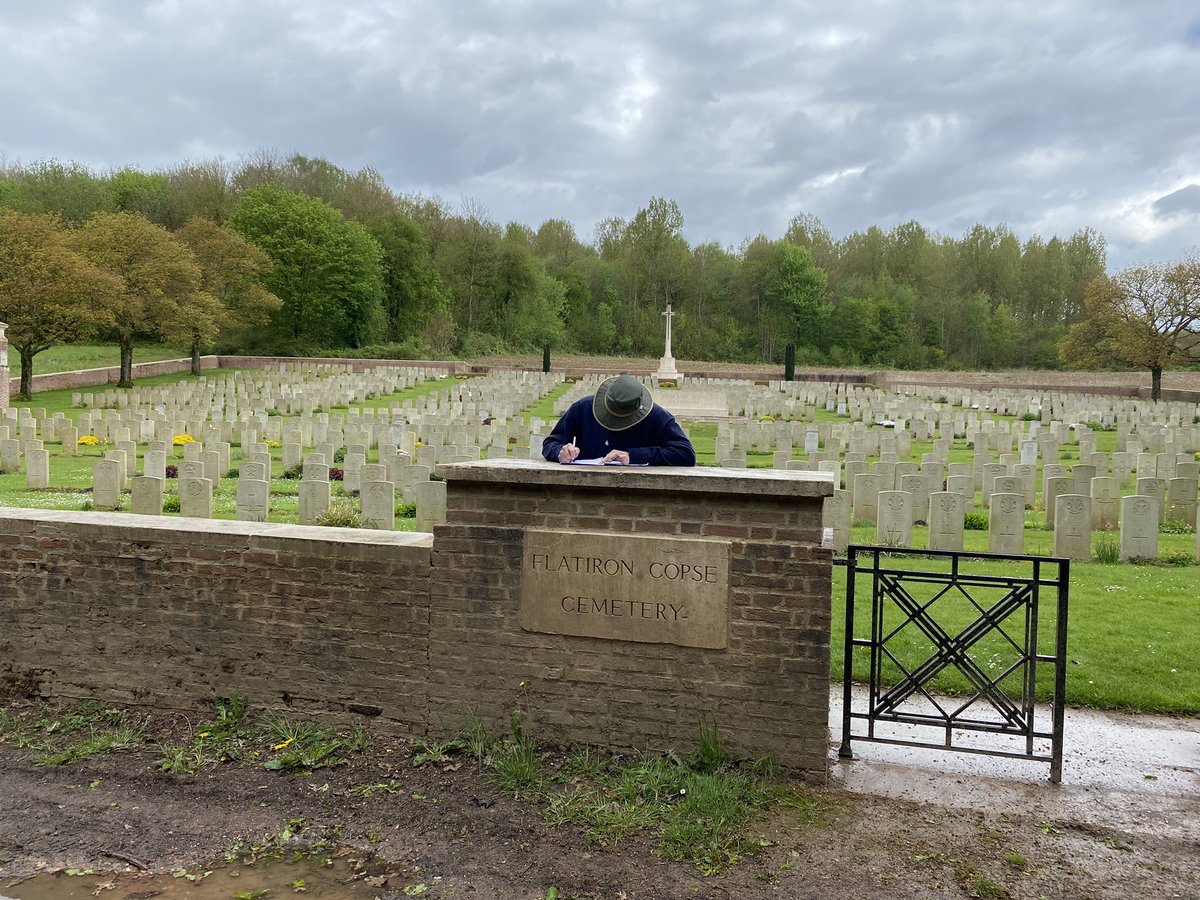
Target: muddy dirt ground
(114,819)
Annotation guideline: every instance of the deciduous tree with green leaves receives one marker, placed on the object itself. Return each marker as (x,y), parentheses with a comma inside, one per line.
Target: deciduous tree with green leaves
(1147,316)
(49,294)
(413,289)
(232,273)
(161,295)
(327,271)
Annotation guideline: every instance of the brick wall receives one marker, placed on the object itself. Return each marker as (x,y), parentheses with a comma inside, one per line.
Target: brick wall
(768,691)
(85,378)
(173,612)
(421,632)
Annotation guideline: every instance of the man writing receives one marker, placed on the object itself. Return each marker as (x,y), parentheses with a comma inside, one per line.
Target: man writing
(619,424)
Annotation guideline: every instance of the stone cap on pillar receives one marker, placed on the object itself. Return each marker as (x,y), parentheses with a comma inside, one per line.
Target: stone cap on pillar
(699,479)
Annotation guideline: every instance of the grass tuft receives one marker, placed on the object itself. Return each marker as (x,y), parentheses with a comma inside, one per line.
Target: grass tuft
(340,514)
(1106,548)
(517,763)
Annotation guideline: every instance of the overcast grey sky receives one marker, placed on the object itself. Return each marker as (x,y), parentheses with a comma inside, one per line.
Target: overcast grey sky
(1046,116)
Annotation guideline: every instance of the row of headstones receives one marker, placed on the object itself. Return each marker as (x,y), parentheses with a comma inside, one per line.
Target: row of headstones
(285,391)
(734,397)
(946,513)
(502,394)
(207,400)
(1104,410)
(376,493)
(1176,497)
(1043,443)
(319,432)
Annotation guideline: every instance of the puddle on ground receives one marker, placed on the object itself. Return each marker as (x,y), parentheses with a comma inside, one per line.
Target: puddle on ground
(348,876)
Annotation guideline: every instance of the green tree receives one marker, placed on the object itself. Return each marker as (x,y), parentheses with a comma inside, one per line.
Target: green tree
(413,291)
(142,193)
(785,295)
(557,246)
(468,259)
(1148,317)
(49,294)
(361,195)
(68,189)
(198,189)
(161,280)
(233,272)
(1003,339)
(798,292)
(328,272)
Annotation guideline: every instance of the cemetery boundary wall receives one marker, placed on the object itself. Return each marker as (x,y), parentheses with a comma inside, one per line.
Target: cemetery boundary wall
(1177,386)
(59,381)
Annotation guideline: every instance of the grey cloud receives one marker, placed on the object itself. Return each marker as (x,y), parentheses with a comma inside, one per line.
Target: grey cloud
(1046,116)
(1185,200)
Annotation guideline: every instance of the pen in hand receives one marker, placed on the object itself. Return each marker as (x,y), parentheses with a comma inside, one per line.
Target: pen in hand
(569,452)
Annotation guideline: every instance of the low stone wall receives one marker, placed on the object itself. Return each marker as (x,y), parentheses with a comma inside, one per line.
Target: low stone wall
(173,612)
(62,381)
(1128,384)
(1183,386)
(421,632)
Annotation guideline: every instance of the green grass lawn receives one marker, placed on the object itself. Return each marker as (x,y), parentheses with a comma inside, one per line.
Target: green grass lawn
(89,356)
(1133,636)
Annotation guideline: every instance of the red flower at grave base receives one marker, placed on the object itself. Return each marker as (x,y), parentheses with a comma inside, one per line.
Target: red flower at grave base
(172,471)
(335,474)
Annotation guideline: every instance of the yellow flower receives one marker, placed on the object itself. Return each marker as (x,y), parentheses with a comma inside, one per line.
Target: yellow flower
(284,744)
(89,440)
(180,439)
(204,734)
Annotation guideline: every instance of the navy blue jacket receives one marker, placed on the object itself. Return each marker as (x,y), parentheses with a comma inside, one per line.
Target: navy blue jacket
(657,440)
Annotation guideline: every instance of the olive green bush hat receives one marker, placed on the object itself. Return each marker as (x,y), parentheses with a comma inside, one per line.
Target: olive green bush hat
(621,402)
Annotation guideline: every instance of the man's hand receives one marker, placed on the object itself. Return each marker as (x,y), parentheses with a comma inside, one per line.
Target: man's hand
(568,453)
(620,456)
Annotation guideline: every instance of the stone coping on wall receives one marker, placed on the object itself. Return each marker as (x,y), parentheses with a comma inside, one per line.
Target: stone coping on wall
(700,479)
(226,533)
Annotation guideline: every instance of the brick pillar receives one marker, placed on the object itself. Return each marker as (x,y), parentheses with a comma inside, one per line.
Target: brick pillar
(624,651)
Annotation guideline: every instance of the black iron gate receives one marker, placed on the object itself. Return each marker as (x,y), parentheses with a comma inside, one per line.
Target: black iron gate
(960,617)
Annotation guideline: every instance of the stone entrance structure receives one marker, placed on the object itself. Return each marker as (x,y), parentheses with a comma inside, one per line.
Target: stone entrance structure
(636,604)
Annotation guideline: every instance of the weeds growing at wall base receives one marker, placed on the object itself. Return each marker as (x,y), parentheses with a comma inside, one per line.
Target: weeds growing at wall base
(64,735)
(701,809)
(278,743)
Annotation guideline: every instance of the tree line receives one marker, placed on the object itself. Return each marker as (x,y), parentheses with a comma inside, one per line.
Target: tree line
(294,255)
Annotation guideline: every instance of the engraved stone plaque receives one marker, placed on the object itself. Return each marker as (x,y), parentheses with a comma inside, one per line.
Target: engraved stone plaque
(662,590)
